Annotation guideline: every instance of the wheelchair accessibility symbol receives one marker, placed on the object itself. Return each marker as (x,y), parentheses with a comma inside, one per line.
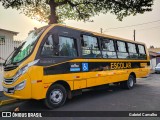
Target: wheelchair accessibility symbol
(84,66)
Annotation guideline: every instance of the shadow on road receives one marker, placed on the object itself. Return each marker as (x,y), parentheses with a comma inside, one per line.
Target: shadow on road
(38,105)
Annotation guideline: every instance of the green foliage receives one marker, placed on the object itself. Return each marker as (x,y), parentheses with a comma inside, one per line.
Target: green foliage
(78,9)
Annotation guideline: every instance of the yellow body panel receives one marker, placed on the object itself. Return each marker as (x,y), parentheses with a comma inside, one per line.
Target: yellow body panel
(79,84)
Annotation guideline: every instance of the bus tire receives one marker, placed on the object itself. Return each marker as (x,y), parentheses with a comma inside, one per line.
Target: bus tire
(56,96)
(129,84)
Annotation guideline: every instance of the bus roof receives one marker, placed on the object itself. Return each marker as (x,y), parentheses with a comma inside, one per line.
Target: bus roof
(98,34)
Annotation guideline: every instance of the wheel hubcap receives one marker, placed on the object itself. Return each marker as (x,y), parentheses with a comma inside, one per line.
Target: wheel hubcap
(131,82)
(56,96)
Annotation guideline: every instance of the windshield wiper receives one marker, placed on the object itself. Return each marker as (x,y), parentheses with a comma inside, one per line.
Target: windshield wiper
(4,64)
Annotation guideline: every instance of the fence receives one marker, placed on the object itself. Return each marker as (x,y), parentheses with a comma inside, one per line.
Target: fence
(6,48)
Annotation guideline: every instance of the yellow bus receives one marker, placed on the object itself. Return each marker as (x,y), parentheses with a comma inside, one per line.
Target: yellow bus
(56,62)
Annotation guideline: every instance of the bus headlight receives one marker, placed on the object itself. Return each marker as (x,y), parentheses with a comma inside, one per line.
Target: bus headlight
(21,72)
(24,69)
(21,85)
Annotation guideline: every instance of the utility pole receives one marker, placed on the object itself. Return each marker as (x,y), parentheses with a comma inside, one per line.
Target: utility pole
(101,30)
(134,35)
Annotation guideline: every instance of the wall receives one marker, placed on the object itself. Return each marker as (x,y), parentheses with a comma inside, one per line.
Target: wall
(153,63)
(7,35)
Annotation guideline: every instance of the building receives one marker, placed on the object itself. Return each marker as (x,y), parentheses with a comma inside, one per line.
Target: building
(7,43)
(6,34)
(154,56)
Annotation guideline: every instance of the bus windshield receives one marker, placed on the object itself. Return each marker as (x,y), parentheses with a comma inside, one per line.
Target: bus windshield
(26,47)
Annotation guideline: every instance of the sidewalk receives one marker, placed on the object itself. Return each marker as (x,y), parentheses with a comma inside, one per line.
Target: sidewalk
(152,71)
(1,78)
(4,100)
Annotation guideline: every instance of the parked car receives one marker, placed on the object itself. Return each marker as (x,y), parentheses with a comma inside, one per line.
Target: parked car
(157,68)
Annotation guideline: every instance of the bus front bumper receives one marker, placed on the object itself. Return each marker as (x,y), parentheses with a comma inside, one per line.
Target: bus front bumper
(17,94)
(19,91)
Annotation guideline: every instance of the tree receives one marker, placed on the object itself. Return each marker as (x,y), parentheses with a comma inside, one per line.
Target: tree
(55,11)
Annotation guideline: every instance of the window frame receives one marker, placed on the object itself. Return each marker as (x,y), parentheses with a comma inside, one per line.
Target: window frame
(143,47)
(75,43)
(145,53)
(42,45)
(114,45)
(117,50)
(135,47)
(57,36)
(132,52)
(125,46)
(98,42)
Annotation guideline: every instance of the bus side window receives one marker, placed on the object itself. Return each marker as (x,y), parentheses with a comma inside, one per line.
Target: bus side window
(90,47)
(132,51)
(67,47)
(122,50)
(142,53)
(108,49)
(47,50)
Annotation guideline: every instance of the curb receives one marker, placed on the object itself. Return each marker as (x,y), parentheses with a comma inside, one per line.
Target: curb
(9,101)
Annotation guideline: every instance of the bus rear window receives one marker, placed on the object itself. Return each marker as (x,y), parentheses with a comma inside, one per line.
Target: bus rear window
(132,51)
(141,49)
(142,53)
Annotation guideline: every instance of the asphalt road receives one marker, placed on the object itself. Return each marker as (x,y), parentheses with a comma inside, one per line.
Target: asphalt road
(145,96)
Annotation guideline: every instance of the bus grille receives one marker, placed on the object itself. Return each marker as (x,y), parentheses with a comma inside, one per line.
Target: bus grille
(10,68)
(8,81)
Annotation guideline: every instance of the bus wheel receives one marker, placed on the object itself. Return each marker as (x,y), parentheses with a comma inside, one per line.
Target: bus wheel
(129,84)
(56,96)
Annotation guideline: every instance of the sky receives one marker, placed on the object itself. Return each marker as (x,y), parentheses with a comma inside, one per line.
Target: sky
(149,34)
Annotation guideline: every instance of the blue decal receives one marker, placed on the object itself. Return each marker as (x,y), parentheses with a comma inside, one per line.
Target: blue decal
(74,69)
(84,66)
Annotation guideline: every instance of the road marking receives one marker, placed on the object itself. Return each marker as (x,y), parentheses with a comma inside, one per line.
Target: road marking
(5,102)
